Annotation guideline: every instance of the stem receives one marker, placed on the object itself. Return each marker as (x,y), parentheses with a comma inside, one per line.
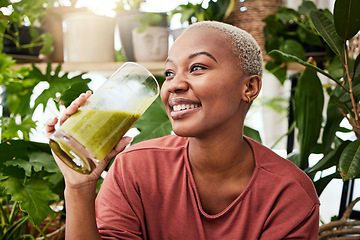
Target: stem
(355,108)
(41,232)
(17,225)
(14,40)
(14,212)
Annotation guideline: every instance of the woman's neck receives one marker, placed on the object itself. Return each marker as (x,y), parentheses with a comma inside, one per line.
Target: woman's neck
(222,155)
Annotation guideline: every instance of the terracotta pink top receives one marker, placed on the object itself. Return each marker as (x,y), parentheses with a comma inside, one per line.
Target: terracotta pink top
(150,193)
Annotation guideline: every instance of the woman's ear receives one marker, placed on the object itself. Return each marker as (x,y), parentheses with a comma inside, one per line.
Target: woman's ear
(253,87)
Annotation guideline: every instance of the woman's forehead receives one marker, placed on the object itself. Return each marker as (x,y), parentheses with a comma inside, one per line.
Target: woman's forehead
(201,38)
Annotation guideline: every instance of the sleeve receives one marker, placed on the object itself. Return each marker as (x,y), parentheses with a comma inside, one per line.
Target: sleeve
(119,211)
(307,229)
(293,217)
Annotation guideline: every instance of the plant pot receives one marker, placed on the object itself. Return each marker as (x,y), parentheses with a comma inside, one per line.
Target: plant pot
(151,45)
(125,24)
(88,38)
(53,25)
(24,37)
(177,32)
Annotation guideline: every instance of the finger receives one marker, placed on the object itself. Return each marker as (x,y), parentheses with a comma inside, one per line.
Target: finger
(120,146)
(74,106)
(50,126)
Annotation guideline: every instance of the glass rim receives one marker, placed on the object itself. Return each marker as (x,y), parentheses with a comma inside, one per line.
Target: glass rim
(144,68)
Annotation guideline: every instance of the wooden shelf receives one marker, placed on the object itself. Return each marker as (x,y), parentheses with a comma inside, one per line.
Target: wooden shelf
(107,68)
(155,68)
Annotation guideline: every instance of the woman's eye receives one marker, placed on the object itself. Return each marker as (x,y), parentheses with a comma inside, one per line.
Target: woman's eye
(168,73)
(196,68)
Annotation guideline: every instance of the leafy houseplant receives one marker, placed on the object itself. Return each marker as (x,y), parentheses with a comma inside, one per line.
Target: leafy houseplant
(216,10)
(128,5)
(191,13)
(24,16)
(291,31)
(148,19)
(344,96)
(29,178)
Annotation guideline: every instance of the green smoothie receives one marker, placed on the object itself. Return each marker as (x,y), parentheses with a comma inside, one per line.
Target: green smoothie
(99,130)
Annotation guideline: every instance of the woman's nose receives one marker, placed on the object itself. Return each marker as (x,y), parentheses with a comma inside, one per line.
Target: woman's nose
(178,84)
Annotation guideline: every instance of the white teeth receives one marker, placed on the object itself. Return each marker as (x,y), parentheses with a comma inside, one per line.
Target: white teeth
(184,106)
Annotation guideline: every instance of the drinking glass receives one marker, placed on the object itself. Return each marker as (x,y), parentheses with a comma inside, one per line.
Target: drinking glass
(87,137)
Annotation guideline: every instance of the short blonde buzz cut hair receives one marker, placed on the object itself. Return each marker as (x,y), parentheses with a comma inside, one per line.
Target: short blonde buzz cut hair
(244,45)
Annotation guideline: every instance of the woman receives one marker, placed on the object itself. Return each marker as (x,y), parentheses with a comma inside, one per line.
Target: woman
(208,181)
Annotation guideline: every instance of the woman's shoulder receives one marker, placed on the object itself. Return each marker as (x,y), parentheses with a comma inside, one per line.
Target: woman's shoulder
(281,170)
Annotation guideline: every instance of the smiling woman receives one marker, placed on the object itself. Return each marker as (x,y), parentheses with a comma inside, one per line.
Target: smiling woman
(208,181)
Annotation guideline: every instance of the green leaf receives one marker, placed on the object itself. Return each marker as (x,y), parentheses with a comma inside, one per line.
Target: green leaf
(20,150)
(329,160)
(306,64)
(347,18)
(287,14)
(306,7)
(153,123)
(186,15)
(335,68)
(57,84)
(309,102)
(333,119)
(323,182)
(37,161)
(325,27)
(43,160)
(34,197)
(279,70)
(349,164)
(48,40)
(252,133)
(21,163)
(73,92)
(294,48)
(335,100)
(295,158)
(10,128)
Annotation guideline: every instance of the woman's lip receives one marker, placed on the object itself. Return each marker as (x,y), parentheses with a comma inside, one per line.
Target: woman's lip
(176,115)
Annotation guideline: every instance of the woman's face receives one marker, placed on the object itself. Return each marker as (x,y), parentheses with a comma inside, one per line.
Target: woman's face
(205,88)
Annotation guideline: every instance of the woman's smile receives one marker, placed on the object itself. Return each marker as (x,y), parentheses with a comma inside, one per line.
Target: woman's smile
(181,107)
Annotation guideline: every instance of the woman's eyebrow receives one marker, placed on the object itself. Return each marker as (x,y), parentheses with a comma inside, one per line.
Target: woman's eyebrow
(168,60)
(204,53)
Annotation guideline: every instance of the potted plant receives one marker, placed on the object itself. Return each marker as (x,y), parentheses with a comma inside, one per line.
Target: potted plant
(344,71)
(150,41)
(191,13)
(127,19)
(291,31)
(20,32)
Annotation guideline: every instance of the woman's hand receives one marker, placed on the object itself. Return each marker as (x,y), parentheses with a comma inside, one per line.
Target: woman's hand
(73,178)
